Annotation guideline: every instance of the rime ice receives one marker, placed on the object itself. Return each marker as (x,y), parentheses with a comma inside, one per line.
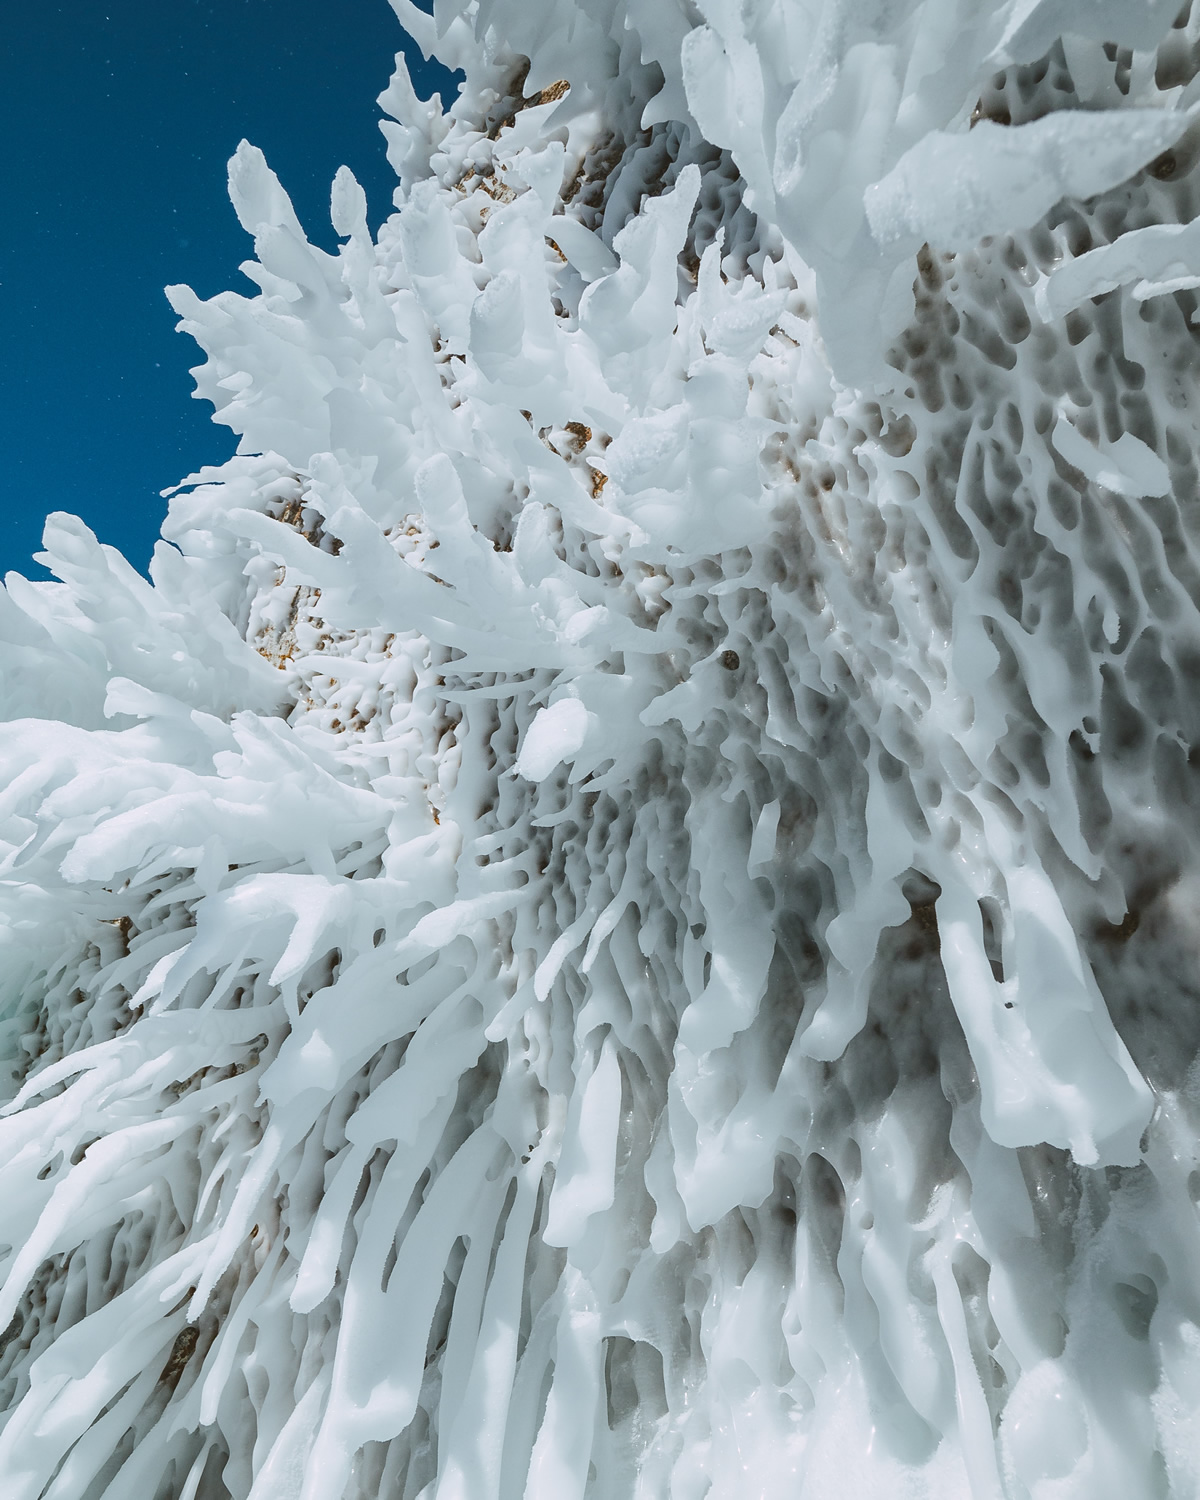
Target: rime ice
(619,919)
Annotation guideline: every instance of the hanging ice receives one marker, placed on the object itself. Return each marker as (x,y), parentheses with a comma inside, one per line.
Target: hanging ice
(620,918)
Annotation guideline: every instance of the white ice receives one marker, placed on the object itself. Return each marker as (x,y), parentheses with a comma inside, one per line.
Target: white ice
(618,918)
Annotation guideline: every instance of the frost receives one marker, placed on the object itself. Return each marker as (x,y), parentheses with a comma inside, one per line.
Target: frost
(618,919)
(952,190)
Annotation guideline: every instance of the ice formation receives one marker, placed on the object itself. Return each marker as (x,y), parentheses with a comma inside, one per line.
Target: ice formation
(620,919)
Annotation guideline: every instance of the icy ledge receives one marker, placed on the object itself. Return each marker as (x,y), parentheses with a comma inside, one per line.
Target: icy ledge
(621,918)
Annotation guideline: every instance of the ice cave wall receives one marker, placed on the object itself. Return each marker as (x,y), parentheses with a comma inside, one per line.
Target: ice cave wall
(619,919)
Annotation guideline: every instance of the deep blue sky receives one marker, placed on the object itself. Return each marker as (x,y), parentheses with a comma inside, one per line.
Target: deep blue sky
(117,118)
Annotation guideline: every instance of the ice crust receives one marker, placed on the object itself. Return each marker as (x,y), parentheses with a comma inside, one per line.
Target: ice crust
(619,917)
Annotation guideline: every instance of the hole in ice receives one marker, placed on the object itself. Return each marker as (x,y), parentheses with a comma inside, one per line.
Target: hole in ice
(633,1381)
(824,1206)
(921,893)
(1122,931)
(990,912)
(440,1327)
(181,1351)
(919,890)
(1136,1301)
(389,1265)
(15,1324)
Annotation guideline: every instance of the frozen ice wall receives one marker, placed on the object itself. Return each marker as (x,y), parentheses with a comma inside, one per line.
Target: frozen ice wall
(620,920)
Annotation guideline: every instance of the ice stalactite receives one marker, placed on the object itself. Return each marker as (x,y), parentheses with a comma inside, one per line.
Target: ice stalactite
(619,918)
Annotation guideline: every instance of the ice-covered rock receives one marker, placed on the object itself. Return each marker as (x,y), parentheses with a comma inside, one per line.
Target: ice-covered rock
(619,917)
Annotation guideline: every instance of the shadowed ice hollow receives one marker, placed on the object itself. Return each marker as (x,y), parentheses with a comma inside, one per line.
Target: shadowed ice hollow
(622,919)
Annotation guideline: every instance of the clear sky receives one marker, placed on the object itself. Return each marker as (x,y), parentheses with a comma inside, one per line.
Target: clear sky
(118,117)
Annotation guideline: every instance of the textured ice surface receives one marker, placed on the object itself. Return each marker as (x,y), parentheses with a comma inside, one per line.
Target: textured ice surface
(620,920)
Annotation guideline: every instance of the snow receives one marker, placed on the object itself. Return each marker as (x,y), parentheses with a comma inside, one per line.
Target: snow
(617,918)
(556,734)
(952,190)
